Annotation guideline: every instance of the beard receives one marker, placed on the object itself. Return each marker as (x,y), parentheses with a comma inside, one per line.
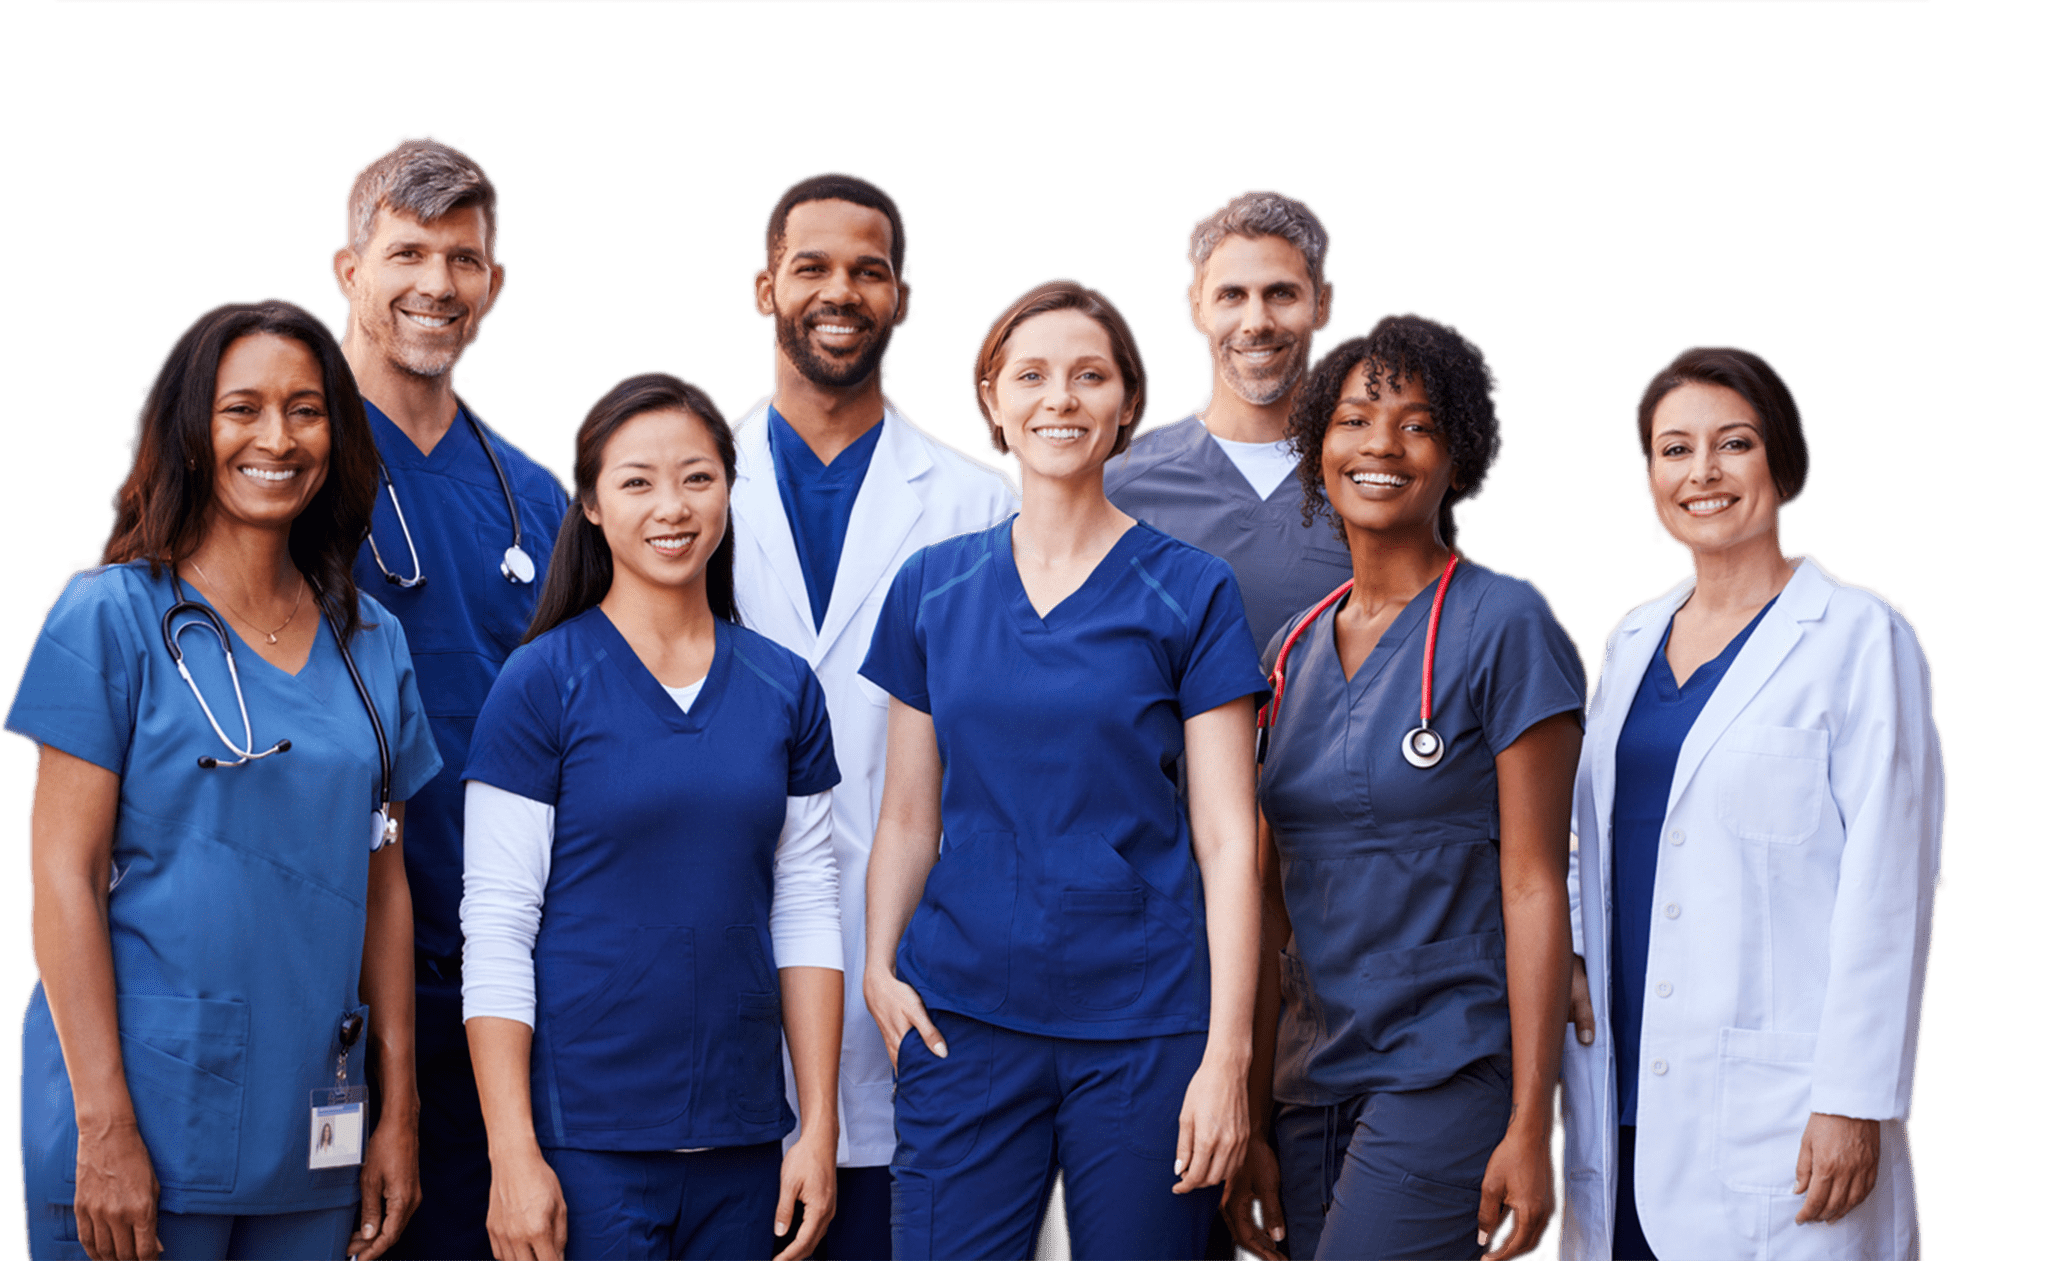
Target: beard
(1263,388)
(827,373)
(410,356)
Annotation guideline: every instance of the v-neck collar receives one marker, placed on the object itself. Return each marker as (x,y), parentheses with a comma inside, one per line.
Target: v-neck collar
(687,721)
(1408,627)
(303,676)
(1222,473)
(1670,689)
(400,449)
(1077,602)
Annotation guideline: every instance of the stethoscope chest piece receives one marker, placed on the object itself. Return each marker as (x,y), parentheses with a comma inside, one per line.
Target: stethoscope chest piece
(515,566)
(1422,747)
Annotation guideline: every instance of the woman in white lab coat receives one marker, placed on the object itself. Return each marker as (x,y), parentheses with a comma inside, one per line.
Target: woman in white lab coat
(1759,807)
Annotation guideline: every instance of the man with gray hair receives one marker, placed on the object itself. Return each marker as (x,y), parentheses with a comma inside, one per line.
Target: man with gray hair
(461,535)
(1223,479)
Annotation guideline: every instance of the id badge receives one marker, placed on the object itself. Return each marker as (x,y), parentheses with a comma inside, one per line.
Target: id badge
(335,1127)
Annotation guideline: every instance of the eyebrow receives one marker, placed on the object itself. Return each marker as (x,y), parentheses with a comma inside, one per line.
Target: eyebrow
(1734,424)
(1361,401)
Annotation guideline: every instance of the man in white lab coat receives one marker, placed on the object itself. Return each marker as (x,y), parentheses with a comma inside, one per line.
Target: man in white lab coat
(834,491)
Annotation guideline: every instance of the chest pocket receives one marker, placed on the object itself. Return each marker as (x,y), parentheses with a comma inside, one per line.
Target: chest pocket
(1770,780)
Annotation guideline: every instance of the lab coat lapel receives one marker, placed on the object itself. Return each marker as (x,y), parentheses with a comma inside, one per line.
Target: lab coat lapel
(887,508)
(757,506)
(1632,651)
(1803,600)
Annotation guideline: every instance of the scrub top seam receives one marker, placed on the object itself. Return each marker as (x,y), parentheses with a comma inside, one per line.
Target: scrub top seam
(204,834)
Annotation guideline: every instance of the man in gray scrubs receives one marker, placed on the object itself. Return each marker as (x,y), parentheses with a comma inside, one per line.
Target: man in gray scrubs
(1223,480)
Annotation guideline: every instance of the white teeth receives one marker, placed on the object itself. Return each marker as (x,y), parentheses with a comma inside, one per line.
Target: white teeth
(672,543)
(1710,505)
(1061,433)
(269,474)
(1379,479)
(431,321)
(836,330)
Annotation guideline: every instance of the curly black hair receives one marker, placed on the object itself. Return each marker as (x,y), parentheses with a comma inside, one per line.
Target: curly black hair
(1454,378)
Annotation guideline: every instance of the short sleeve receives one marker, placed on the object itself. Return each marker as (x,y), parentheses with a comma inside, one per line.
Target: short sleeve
(1523,665)
(897,661)
(1221,665)
(416,759)
(78,693)
(811,768)
(518,744)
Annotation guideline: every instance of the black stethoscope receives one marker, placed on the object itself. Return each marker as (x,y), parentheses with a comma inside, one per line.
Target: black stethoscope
(515,565)
(385,829)
(1422,746)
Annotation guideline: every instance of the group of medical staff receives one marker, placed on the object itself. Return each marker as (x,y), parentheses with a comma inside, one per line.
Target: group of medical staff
(793,843)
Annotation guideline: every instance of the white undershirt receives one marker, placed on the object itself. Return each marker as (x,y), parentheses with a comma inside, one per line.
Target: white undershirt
(1263,464)
(507,847)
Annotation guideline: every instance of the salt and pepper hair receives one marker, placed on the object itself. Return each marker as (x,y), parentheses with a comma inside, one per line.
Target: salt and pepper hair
(425,179)
(1263,214)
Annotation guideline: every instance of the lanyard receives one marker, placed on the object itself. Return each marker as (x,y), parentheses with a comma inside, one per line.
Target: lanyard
(1421,746)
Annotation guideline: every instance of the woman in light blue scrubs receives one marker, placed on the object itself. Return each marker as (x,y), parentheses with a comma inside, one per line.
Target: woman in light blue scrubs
(219,944)
(647,838)
(1066,981)
(1422,991)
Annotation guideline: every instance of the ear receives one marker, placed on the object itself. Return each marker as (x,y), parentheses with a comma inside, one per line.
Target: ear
(591,511)
(345,266)
(990,398)
(1322,305)
(1193,304)
(764,292)
(900,312)
(499,278)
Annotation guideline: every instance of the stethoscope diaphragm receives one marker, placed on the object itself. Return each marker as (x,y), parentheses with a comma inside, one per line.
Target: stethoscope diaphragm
(1422,747)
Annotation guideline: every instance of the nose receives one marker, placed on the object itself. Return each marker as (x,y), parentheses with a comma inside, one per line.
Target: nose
(839,290)
(274,437)
(1705,469)
(1381,438)
(1257,319)
(432,278)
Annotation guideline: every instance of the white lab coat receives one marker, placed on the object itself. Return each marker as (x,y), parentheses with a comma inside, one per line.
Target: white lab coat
(916,492)
(1789,933)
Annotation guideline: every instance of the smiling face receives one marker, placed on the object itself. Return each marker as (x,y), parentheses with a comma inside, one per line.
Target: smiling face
(661,499)
(833,293)
(271,431)
(419,290)
(1384,459)
(1057,395)
(1709,477)
(1260,311)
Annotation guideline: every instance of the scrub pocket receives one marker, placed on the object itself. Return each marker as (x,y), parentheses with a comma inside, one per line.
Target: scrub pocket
(1765,1078)
(621,1053)
(1769,782)
(963,929)
(1103,947)
(749,1055)
(502,609)
(185,1062)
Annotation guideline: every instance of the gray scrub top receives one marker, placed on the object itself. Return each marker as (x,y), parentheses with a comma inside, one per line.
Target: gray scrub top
(1179,480)
(1396,975)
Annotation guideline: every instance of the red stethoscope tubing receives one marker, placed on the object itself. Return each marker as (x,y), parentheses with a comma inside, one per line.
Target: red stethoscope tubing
(1433,749)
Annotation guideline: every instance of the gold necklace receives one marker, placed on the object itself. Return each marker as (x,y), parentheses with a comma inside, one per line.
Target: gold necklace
(270,636)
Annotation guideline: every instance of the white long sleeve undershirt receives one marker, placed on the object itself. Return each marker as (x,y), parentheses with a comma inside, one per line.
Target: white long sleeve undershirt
(507,843)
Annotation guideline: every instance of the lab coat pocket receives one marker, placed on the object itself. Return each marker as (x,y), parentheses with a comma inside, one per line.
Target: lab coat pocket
(963,929)
(1769,781)
(1103,942)
(1764,1080)
(184,1058)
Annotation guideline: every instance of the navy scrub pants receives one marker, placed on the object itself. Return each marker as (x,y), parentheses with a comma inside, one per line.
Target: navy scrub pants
(1392,1174)
(984,1130)
(705,1204)
(456,1174)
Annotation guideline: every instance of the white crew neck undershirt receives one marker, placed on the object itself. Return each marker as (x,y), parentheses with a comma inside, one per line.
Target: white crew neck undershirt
(1263,464)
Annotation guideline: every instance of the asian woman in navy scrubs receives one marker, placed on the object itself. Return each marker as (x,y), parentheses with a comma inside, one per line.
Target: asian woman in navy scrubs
(219,942)
(1420,996)
(1065,980)
(650,889)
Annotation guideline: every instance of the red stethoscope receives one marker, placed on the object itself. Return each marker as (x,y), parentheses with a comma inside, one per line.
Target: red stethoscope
(1421,746)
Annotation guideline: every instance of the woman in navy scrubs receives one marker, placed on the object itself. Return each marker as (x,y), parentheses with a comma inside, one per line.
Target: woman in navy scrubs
(216,938)
(646,841)
(1760,812)
(1067,983)
(1421,994)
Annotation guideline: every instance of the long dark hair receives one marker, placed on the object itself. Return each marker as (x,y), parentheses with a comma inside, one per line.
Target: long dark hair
(160,512)
(582,568)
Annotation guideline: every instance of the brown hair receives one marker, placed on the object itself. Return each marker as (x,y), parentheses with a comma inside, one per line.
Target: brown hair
(161,510)
(582,568)
(1754,381)
(1064,295)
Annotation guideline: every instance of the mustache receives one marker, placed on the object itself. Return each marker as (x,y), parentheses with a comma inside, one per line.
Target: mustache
(1260,343)
(830,315)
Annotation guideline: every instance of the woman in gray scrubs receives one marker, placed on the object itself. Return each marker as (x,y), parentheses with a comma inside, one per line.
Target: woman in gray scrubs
(1417,793)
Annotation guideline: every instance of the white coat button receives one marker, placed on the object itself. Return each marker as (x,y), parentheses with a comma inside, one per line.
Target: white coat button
(1664,989)
(1658,1067)
(1678,837)
(1672,910)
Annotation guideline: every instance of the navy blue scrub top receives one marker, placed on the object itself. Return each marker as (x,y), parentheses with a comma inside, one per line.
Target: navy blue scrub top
(1396,975)
(1066,900)
(237,913)
(818,499)
(657,1007)
(461,623)
(1179,480)
(1646,754)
